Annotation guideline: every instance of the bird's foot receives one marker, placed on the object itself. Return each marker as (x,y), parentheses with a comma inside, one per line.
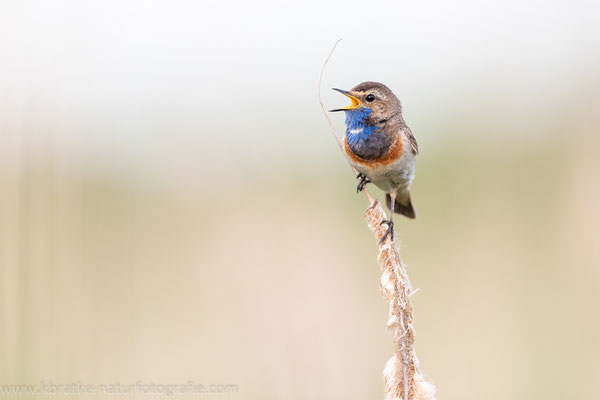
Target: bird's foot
(390,230)
(362,182)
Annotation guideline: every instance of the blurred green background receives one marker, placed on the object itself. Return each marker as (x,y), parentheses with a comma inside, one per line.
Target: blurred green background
(174,207)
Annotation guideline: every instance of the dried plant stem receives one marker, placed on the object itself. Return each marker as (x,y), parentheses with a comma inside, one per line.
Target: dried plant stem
(337,138)
(402,376)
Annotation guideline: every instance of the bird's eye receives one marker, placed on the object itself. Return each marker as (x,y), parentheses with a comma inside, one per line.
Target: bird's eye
(370,97)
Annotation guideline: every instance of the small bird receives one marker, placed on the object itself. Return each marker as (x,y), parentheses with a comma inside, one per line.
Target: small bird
(380,146)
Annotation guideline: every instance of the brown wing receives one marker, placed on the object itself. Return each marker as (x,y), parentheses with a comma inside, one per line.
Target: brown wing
(412,140)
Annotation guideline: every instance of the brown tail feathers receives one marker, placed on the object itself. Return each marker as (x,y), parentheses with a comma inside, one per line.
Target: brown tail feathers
(403,204)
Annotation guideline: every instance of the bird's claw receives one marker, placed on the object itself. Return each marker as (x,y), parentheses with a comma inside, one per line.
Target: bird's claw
(362,182)
(390,230)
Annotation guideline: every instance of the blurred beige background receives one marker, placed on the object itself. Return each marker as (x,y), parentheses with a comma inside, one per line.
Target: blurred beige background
(174,208)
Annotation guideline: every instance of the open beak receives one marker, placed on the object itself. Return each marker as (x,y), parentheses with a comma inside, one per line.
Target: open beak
(355,102)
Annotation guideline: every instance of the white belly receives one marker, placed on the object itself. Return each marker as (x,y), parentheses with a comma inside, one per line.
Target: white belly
(390,177)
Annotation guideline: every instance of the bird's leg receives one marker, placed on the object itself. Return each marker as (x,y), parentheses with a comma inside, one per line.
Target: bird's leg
(390,222)
(362,181)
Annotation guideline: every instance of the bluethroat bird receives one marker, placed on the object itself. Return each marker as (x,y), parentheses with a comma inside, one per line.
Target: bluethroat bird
(380,146)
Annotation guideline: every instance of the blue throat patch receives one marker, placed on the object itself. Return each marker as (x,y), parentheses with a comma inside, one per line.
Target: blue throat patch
(357,130)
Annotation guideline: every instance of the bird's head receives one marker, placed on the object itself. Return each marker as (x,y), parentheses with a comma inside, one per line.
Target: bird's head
(374,98)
